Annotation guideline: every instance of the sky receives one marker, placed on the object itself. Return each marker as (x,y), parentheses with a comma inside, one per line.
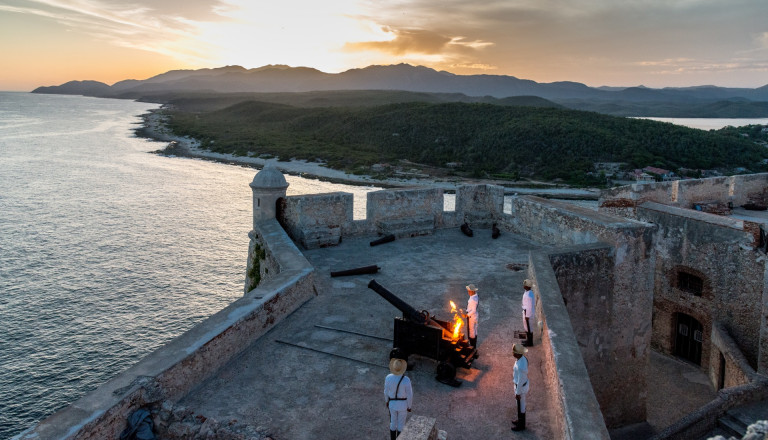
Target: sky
(655,43)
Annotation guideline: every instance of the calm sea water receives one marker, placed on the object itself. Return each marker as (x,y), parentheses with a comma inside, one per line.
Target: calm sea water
(106,251)
(713,123)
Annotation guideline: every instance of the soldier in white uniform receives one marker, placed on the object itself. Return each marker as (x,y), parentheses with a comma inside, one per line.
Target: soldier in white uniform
(520,379)
(472,316)
(529,312)
(398,395)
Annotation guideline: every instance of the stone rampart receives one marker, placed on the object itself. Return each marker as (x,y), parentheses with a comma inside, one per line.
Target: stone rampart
(575,409)
(619,343)
(733,190)
(480,205)
(719,252)
(316,220)
(170,372)
(324,219)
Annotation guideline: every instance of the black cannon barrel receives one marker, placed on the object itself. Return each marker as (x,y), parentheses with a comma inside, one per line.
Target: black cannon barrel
(356,271)
(409,312)
(382,240)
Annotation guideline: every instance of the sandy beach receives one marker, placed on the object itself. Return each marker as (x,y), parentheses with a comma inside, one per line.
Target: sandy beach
(154,128)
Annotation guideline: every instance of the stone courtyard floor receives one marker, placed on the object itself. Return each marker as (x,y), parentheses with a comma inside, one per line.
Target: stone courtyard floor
(299,393)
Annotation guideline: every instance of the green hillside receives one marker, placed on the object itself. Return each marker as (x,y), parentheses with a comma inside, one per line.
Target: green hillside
(486,139)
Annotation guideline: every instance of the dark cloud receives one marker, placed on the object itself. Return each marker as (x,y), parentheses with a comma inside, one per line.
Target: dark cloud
(406,41)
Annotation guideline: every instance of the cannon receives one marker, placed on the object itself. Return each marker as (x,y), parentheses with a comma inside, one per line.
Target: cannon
(422,334)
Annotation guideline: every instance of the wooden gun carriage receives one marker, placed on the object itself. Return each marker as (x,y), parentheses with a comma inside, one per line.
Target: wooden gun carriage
(419,333)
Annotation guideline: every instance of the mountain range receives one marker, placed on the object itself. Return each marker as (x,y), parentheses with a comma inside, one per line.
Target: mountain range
(699,101)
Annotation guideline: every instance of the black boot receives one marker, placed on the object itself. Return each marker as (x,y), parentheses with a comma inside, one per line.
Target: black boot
(528,339)
(515,422)
(392,435)
(520,425)
(473,343)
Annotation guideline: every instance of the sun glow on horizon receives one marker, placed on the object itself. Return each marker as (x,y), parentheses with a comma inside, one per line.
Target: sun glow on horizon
(47,42)
(255,35)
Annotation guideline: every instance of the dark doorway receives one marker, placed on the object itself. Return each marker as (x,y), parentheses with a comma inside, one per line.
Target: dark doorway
(721,378)
(688,338)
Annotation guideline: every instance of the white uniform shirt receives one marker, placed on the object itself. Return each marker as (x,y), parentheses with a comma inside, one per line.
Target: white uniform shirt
(529,305)
(472,303)
(405,391)
(520,376)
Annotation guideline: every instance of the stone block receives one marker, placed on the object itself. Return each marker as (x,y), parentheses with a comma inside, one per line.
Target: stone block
(419,428)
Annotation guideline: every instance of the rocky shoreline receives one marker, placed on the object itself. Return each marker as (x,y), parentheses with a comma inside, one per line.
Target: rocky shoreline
(154,127)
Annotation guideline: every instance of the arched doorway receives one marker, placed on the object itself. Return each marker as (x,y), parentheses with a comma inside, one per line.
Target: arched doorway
(688,337)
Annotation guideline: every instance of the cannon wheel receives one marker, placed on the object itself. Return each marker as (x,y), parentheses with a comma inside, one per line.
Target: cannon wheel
(446,373)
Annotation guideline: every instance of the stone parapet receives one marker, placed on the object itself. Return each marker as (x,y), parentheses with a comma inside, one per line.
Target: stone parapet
(316,220)
(614,281)
(737,369)
(730,191)
(574,405)
(405,203)
(171,371)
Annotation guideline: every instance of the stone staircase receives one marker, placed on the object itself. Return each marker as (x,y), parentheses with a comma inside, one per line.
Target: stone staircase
(735,422)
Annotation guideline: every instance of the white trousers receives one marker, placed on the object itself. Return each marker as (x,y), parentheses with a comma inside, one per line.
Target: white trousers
(397,416)
(521,402)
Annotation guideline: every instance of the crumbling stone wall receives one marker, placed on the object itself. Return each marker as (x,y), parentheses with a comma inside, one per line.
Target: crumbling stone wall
(720,251)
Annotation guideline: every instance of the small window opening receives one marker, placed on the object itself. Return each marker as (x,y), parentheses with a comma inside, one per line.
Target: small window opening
(690,283)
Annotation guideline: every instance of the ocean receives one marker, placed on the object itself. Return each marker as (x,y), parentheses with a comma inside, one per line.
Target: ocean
(107,251)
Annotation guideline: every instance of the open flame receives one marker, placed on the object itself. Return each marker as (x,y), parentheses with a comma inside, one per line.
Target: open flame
(457,323)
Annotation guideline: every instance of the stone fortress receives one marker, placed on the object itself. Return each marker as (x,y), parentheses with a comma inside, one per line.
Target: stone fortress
(676,267)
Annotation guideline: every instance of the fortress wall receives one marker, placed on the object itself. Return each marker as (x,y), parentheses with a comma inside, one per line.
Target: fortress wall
(623,200)
(575,409)
(316,220)
(585,277)
(720,252)
(738,190)
(749,188)
(736,368)
(172,370)
(405,212)
(479,205)
(624,342)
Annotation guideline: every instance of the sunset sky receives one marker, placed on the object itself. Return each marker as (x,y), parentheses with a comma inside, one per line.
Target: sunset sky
(655,43)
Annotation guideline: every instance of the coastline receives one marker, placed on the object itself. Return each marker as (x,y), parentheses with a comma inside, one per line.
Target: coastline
(153,127)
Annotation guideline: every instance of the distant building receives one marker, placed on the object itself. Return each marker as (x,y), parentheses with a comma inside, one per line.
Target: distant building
(662,173)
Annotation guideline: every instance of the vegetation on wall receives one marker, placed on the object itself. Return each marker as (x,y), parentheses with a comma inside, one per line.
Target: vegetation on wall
(254,270)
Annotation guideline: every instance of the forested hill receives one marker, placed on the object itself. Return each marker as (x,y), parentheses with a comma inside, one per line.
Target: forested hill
(486,139)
